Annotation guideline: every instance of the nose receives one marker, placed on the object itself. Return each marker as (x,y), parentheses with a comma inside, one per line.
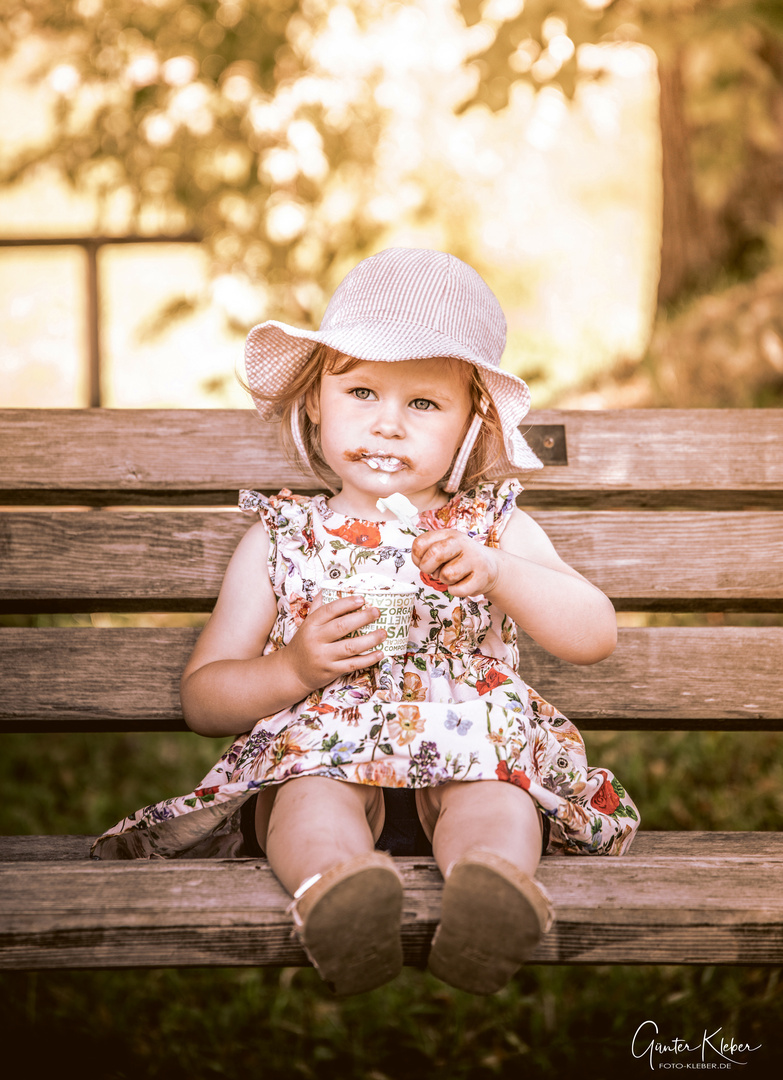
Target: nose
(388,420)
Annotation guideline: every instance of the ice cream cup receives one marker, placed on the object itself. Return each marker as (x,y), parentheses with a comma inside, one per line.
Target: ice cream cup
(393,599)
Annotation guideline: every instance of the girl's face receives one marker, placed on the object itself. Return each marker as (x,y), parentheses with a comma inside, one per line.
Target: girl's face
(388,427)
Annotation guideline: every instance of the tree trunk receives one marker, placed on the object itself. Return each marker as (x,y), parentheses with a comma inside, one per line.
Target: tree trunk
(688,237)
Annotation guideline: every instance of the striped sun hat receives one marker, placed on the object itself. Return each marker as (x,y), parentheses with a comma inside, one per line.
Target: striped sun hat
(403,304)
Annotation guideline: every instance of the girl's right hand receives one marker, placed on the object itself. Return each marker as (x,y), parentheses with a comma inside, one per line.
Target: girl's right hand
(320,652)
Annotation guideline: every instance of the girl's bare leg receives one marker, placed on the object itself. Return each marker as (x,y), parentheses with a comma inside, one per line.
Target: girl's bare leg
(487,843)
(347,916)
(485,815)
(315,824)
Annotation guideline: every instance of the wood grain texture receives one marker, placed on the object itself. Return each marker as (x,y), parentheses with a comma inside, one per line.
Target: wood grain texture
(657,679)
(651,906)
(644,457)
(175,560)
(67,848)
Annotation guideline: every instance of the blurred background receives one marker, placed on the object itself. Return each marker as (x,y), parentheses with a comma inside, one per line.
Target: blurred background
(615,169)
(172,173)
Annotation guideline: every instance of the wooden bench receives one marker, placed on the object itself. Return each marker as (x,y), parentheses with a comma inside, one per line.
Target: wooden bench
(667,511)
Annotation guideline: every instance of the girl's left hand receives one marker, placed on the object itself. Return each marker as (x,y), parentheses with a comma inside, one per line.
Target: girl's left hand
(464,566)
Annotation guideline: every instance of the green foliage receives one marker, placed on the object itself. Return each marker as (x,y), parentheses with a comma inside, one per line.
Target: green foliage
(203,1025)
(538,41)
(721,66)
(82,783)
(211,116)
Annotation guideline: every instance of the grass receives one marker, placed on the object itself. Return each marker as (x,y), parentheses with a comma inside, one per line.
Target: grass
(549,1022)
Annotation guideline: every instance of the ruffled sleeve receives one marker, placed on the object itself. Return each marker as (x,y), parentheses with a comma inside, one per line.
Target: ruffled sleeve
(482,512)
(288,520)
(500,509)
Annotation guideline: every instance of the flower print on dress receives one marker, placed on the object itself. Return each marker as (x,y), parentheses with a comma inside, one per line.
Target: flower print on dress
(412,687)
(517,777)
(453,707)
(492,678)
(379,774)
(458,633)
(406,724)
(362,533)
(433,583)
(299,608)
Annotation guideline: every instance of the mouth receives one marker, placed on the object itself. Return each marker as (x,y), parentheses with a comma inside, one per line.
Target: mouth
(386,463)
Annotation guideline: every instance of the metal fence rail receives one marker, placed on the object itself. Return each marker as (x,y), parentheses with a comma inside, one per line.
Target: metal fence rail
(91,245)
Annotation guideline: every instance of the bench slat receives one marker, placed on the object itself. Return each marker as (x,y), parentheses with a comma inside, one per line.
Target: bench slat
(68,848)
(643,908)
(128,679)
(645,457)
(175,560)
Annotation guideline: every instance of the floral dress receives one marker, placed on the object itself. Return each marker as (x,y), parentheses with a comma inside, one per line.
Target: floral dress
(453,707)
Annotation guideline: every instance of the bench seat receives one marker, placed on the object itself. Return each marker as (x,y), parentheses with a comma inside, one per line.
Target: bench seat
(676,898)
(670,512)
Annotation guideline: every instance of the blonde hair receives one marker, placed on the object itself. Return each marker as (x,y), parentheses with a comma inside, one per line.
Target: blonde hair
(307,384)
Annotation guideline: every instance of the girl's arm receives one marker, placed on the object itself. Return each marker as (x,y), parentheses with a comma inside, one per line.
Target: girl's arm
(527,579)
(228,685)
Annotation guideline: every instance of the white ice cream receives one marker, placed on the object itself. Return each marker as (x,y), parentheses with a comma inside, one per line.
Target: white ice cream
(361,583)
(401,507)
(384,464)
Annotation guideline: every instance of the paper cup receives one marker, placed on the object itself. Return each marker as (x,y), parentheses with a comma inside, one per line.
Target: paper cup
(395,606)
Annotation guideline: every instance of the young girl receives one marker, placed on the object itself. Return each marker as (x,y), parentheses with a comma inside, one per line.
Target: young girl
(343,754)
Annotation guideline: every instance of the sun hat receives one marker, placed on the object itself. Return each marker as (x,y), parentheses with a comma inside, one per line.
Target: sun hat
(403,304)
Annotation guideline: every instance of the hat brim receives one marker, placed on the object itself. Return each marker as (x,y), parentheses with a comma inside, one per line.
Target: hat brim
(276,352)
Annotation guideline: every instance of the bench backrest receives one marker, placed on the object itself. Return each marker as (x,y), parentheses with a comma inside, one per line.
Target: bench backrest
(668,511)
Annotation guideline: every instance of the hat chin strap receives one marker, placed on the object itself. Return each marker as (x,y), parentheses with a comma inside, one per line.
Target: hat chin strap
(296,431)
(454,480)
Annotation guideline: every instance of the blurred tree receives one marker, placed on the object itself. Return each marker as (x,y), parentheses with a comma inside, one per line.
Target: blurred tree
(720,67)
(220,116)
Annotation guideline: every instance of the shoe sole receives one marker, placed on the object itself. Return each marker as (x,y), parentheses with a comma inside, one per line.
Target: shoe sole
(351,926)
(492,917)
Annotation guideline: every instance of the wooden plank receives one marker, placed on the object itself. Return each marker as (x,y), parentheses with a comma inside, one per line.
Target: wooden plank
(647,457)
(116,561)
(175,560)
(128,679)
(159,452)
(702,458)
(643,908)
(62,848)
(68,848)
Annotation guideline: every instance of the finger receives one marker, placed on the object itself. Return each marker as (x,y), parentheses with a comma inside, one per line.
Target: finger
(455,571)
(464,586)
(353,646)
(340,627)
(441,554)
(364,650)
(343,605)
(424,541)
